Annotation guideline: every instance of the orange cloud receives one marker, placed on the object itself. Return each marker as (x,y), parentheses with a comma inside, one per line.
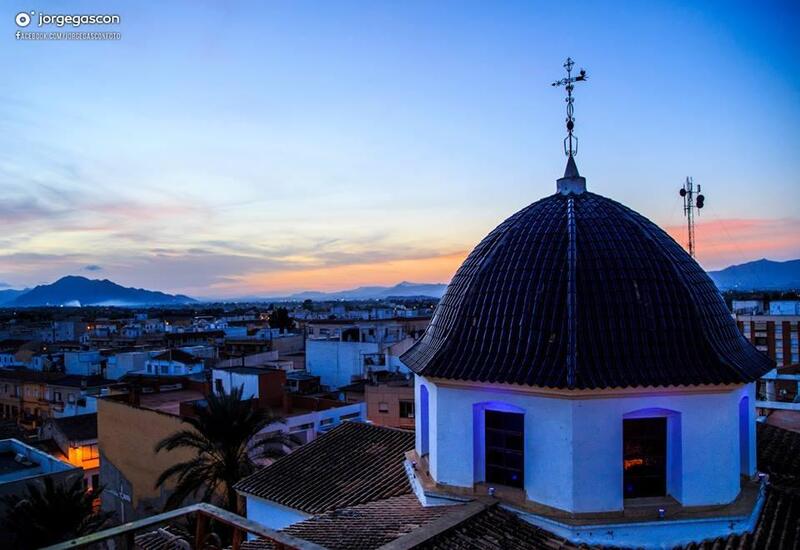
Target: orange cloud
(722,242)
(389,272)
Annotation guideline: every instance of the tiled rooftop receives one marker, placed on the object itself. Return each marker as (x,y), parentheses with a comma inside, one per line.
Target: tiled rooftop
(779,454)
(494,529)
(367,526)
(399,521)
(352,464)
(80,427)
(579,291)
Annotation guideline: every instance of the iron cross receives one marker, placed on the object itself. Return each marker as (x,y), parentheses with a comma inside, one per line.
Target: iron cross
(570,142)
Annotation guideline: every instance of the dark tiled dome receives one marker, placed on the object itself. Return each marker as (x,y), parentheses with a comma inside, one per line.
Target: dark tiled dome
(579,291)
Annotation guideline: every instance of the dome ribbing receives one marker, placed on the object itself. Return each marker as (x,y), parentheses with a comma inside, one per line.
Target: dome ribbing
(579,291)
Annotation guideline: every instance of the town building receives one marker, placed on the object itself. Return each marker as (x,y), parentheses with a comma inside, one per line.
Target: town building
(391,402)
(173,362)
(157,405)
(31,397)
(774,329)
(343,351)
(775,334)
(76,439)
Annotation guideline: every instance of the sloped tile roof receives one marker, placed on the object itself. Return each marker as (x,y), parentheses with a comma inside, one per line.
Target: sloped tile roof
(367,526)
(383,520)
(80,427)
(779,454)
(495,529)
(352,464)
(778,526)
(579,291)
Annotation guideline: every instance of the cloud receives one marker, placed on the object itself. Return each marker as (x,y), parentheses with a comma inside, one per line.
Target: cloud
(4,284)
(723,242)
(93,267)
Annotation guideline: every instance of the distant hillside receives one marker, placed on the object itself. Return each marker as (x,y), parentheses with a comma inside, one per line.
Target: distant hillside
(759,275)
(402,290)
(9,294)
(80,291)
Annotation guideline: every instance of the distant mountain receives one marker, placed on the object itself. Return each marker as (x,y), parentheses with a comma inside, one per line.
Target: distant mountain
(9,294)
(759,275)
(80,291)
(402,290)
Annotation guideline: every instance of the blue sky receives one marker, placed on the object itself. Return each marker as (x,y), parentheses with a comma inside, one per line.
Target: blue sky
(222,149)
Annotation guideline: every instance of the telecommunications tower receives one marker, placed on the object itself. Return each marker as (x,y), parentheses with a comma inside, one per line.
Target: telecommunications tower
(690,202)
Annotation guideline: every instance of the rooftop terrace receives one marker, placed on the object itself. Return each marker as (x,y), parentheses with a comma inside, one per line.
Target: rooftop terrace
(19,461)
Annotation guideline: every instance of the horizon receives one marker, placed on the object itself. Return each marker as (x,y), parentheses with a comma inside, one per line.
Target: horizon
(297,293)
(220,152)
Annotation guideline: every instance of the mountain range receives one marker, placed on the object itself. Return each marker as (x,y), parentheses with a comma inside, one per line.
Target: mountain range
(759,275)
(80,291)
(401,290)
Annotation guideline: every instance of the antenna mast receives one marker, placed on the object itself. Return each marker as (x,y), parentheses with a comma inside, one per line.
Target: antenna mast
(690,202)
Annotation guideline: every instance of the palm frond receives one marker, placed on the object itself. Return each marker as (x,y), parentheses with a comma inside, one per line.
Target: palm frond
(222,435)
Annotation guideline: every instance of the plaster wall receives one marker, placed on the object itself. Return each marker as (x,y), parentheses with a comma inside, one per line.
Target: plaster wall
(573,446)
(337,363)
(271,514)
(230,380)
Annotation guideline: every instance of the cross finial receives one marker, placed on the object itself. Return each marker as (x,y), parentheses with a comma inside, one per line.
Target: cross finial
(571,141)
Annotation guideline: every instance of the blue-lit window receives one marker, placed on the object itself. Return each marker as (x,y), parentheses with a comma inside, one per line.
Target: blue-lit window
(505,444)
(644,457)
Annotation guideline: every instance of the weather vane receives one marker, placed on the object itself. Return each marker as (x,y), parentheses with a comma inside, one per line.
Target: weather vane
(570,142)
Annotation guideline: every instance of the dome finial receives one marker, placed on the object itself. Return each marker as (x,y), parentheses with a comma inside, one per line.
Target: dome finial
(572,182)
(571,141)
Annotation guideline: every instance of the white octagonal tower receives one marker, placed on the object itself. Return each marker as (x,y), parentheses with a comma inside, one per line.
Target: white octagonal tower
(584,369)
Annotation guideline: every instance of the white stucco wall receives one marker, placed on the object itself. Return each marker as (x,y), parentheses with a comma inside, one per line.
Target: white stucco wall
(573,446)
(335,362)
(271,514)
(231,379)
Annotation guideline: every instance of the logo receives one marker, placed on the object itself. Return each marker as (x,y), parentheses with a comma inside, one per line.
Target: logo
(23,19)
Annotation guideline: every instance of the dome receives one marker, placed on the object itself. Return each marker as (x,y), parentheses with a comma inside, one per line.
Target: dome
(578,291)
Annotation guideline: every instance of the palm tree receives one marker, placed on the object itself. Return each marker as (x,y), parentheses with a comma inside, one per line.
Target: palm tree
(223,438)
(52,513)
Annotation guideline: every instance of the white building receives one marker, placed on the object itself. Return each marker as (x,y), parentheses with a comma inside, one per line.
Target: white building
(173,362)
(340,352)
(83,363)
(120,364)
(784,307)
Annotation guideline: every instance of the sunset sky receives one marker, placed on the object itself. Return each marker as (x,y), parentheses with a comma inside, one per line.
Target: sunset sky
(237,149)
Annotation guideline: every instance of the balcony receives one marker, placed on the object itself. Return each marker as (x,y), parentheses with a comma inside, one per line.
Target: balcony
(127,535)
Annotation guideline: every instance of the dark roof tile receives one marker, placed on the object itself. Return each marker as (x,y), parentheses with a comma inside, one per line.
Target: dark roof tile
(352,464)
(367,526)
(82,427)
(579,291)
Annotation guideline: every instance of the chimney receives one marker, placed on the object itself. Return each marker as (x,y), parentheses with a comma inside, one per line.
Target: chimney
(133,395)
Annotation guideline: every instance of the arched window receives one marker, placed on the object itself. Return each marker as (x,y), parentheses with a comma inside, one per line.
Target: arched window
(651,453)
(745,436)
(424,420)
